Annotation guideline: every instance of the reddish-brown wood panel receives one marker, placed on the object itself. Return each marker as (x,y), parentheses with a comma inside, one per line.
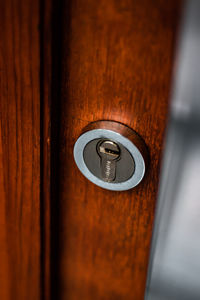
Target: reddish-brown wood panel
(19,150)
(116,65)
(46,27)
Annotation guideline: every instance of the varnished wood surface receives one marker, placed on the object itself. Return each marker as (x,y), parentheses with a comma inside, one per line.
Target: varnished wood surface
(20,268)
(116,65)
(46,27)
(107,60)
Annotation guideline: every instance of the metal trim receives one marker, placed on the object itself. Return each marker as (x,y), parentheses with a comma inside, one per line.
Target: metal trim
(109,134)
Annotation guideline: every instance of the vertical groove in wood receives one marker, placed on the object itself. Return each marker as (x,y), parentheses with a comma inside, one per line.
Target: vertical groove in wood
(116,65)
(19,150)
(46,102)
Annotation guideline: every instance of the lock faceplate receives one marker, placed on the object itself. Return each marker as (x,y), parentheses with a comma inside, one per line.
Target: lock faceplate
(111,155)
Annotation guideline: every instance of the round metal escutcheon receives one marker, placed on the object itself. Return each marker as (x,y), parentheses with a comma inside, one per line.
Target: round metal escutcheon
(129,168)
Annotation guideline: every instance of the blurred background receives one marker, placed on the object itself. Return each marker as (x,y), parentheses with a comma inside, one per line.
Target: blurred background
(174,270)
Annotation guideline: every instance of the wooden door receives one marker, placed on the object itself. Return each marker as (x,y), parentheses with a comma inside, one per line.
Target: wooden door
(63,65)
(20,209)
(116,65)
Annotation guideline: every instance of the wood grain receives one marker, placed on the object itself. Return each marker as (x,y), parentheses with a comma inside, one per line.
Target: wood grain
(46,170)
(116,65)
(19,150)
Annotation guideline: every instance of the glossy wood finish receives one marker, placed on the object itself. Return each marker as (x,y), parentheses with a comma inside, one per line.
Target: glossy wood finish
(19,150)
(46,104)
(105,60)
(116,65)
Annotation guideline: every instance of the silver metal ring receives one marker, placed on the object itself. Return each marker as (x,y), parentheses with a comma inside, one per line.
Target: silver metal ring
(88,136)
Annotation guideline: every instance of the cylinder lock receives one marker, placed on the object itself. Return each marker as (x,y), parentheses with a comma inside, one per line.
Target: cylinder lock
(111,155)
